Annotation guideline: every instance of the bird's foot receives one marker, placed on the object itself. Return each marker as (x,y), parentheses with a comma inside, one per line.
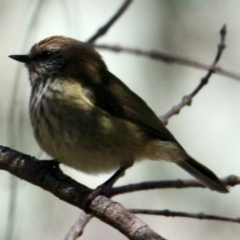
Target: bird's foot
(104,188)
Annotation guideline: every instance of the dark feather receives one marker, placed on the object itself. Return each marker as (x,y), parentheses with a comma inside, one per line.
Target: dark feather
(203,174)
(115,98)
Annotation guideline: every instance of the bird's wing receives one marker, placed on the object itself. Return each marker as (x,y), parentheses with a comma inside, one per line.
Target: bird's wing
(115,98)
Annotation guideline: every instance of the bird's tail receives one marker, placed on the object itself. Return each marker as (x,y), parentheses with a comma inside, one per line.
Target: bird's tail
(203,174)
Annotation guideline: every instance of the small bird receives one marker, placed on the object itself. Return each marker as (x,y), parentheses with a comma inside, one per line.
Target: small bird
(85,117)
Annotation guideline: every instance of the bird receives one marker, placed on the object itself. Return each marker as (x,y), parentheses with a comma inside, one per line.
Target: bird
(83,116)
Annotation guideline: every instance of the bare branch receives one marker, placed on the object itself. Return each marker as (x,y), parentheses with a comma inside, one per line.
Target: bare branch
(167,58)
(48,176)
(77,229)
(231,180)
(187,100)
(169,213)
(103,30)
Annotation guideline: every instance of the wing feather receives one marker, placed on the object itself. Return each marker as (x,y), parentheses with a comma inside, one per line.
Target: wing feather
(117,99)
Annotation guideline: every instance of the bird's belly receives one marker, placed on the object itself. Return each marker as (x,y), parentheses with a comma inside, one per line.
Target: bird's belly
(87,140)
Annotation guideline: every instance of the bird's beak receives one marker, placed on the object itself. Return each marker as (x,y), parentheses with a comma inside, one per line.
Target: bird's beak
(21,58)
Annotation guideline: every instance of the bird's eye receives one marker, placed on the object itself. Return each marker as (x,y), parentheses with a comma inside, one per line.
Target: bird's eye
(44,56)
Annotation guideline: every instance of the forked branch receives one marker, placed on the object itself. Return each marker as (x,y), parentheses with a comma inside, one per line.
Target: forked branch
(187,100)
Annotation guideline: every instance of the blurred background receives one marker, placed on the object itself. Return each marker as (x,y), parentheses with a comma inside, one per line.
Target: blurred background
(209,129)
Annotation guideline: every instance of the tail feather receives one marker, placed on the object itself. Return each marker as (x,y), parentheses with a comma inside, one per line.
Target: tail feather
(203,174)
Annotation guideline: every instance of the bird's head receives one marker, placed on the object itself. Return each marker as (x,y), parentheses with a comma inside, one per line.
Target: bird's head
(62,57)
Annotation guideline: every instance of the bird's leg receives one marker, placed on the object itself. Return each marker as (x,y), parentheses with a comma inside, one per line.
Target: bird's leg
(48,165)
(103,188)
(52,163)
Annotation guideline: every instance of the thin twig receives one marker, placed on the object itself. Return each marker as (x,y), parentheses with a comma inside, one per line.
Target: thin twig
(231,180)
(77,229)
(103,30)
(187,100)
(167,58)
(169,213)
